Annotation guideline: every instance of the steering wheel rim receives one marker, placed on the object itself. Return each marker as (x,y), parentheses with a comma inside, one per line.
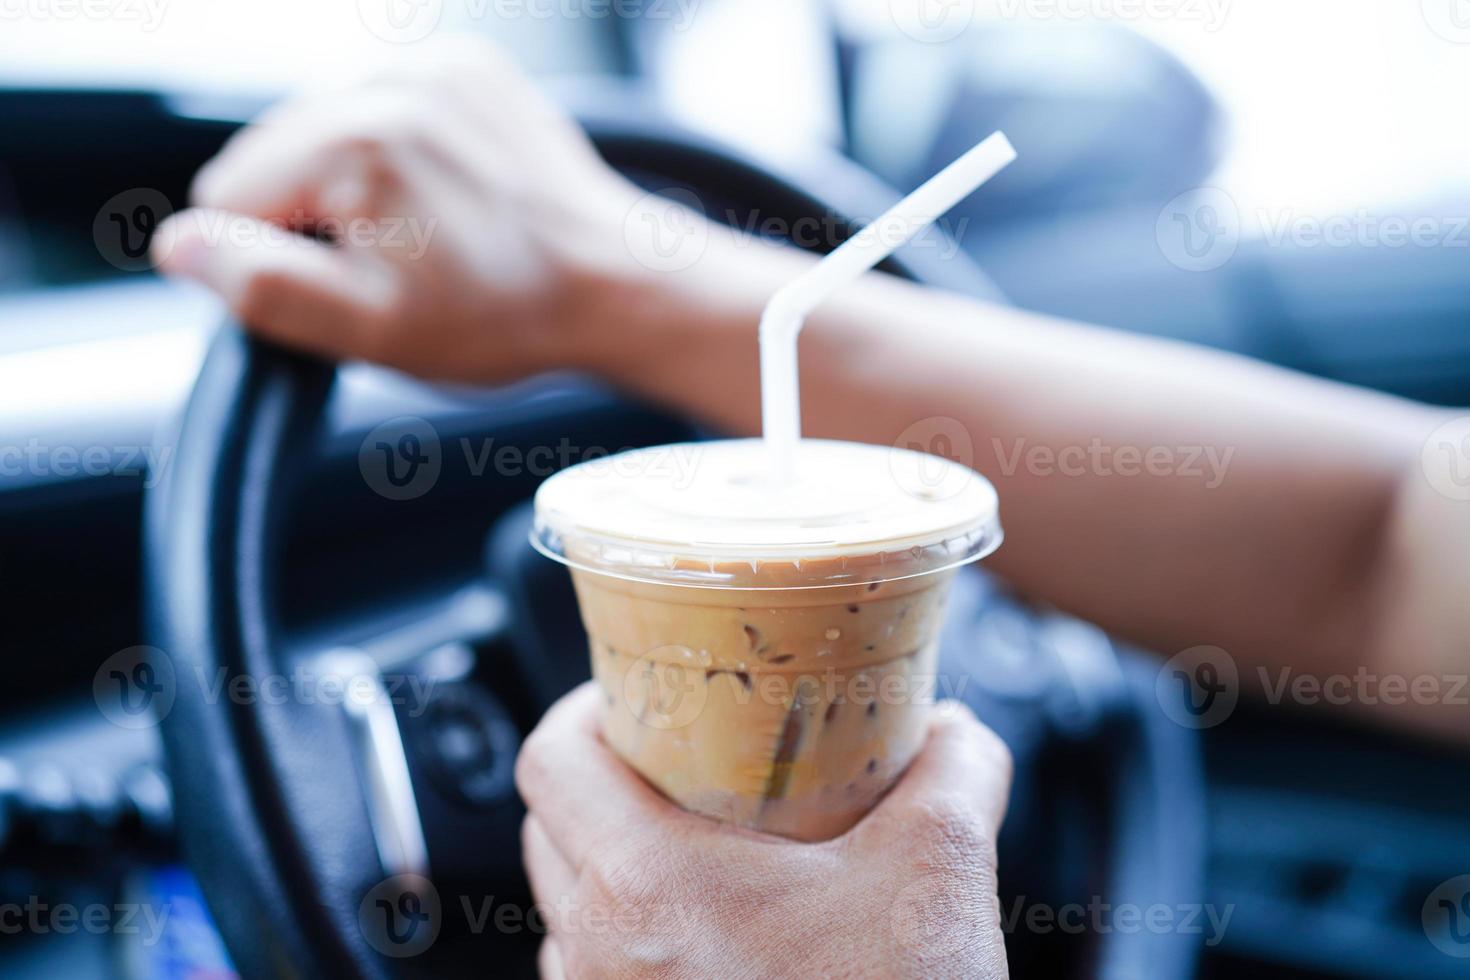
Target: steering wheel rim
(271,807)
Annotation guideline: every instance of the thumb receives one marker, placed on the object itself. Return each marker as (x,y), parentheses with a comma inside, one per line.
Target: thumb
(283,286)
(963,767)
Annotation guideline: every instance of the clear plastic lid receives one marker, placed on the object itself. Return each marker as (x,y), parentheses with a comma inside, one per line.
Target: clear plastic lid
(707,515)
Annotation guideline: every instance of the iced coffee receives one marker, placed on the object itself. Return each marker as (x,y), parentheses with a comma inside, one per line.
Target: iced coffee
(767,652)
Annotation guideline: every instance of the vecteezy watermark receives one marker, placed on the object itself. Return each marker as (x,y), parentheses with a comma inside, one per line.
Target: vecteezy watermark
(309,684)
(926,920)
(124,225)
(67,461)
(1209,14)
(1198,687)
(409,235)
(1445,459)
(666,231)
(1364,687)
(1449,19)
(401,458)
(943,927)
(678,14)
(401,916)
(669,687)
(676,464)
(1098,917)
(136,688)
(400,21)
(407,21)
(147,14)
(1446,917)
(1199,230)
(825,232)
(915,464)
(568,917)
(1208,464)
(36,917)
(932,21)
(1362,229)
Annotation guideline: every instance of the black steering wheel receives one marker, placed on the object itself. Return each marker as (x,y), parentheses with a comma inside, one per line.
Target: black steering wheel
(304,821)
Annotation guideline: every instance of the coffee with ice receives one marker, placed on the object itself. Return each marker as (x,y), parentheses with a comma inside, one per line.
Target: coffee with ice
(763,622)
(767,650)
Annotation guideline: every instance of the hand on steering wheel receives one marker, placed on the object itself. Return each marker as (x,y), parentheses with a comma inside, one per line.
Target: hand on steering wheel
(445,219)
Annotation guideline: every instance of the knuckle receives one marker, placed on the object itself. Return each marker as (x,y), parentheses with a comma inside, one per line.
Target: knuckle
(211,185)
(622,882)
(533,764)
(948,831)
(373,151)
(376,340)
(393,309)
(526,845)
(263,296)
(389,131)
(624,960)
(645,941)
(578,961)
(993,749)
(975,739)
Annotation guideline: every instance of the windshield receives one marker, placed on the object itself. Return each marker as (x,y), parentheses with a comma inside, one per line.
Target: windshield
(267,46)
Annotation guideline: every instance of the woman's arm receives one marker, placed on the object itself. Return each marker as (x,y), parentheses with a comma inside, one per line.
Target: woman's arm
(1176,495)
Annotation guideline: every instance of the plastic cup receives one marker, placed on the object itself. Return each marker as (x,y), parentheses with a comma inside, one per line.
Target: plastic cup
(768,653)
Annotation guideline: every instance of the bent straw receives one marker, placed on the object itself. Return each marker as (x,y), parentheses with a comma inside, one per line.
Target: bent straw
(786,313)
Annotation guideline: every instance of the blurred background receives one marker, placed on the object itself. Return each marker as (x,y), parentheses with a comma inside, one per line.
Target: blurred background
(1286,180)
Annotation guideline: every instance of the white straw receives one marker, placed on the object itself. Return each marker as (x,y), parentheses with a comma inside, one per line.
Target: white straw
(787,311)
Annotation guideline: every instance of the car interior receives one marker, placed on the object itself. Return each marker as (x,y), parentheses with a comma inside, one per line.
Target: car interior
(168,482)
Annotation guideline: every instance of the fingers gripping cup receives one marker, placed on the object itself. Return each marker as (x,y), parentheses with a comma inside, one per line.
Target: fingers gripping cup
(767,651)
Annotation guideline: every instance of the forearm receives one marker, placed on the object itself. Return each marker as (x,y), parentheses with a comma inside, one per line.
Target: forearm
(1175,495)
(1420,648)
